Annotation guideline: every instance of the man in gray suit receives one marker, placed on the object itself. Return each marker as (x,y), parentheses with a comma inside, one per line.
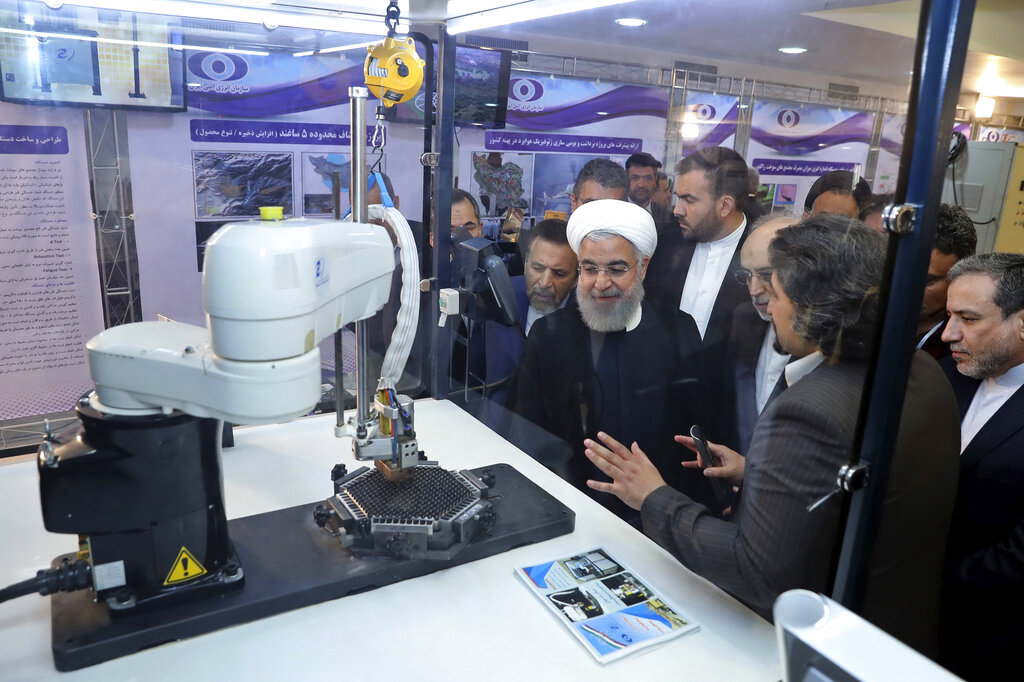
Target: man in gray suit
(825,275)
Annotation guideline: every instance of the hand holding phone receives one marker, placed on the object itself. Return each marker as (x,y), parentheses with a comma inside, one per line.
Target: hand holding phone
(709,460)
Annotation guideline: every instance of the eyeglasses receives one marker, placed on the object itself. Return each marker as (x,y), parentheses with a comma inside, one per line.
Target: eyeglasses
(743,276)
(613,271)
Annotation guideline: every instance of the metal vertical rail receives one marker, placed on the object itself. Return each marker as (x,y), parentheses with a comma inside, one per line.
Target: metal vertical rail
(444,133)
(357,193)
(938,68)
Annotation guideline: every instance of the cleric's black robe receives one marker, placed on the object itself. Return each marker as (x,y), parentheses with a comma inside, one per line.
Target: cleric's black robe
(641,388)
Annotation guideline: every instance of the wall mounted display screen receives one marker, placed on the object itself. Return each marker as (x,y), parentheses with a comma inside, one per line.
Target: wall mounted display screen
(481,89)
(88,57)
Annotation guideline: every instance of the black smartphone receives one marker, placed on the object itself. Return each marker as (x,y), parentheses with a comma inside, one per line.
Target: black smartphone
(717,487)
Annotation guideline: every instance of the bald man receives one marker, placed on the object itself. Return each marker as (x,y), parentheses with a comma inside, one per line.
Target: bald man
(609,363)
(757,363)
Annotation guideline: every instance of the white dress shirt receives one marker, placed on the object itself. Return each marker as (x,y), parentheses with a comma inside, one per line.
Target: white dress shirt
(532,314)
(798,369)
(990,396)
(708,269)
(770,366)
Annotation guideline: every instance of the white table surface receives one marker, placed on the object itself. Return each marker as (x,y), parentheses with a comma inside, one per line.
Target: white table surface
(470,622)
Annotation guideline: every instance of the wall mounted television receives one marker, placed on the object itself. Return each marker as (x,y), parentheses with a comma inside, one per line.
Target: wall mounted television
(86,57)
(481,89)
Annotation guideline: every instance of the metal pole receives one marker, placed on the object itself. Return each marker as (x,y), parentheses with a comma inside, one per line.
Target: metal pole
(938,68)
(444,132)
(357,194)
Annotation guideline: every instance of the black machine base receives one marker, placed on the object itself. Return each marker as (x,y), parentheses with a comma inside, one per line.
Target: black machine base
(289,563)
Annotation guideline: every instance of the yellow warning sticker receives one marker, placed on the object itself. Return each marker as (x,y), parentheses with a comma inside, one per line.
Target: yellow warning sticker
(185,568)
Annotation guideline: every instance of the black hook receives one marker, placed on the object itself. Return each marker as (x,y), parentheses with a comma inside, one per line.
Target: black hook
(391,18)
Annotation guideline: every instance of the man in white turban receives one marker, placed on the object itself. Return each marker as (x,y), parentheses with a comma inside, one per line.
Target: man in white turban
(608,363)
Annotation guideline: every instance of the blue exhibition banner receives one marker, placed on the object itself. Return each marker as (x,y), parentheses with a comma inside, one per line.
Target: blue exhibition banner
(259,86)
(558,103)
(502,140)
(273,132)
(33,140)
(709,120)
(795,130)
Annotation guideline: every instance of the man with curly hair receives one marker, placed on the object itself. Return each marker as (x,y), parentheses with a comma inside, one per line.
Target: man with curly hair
(826,272)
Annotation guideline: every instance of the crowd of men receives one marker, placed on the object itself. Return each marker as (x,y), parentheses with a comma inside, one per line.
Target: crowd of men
(641,319)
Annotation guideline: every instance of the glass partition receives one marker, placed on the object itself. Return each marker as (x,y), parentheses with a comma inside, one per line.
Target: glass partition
(726,285)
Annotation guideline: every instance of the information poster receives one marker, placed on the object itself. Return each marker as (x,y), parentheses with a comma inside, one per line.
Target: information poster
(260,131)
(50,301)
(554,126)
(791,146)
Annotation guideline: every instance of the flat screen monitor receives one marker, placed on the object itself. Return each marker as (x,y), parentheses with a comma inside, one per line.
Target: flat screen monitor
(481,89)
(92,58)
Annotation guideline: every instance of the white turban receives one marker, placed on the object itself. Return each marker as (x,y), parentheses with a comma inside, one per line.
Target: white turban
(629,221)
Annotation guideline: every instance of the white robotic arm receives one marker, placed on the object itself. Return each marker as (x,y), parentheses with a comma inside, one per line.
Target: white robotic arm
(271,292)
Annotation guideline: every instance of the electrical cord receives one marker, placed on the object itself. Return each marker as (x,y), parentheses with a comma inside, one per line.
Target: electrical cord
(953,156)
(67,577)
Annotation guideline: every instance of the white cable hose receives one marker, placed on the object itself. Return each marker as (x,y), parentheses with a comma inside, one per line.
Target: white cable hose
(409,298)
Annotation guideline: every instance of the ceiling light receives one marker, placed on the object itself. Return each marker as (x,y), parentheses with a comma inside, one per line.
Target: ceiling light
(984,107)
(119,41)
(602,113)
(367,24)
(689,131)
(631,22)
(792,50)
(467,15)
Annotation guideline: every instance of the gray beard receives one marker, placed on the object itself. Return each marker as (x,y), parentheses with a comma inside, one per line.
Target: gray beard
(599,318)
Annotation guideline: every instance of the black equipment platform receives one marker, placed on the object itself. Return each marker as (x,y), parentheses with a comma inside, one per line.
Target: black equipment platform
(290,562)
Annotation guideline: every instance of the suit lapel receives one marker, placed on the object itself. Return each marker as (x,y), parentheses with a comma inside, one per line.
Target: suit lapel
(730,294)
(1008,420)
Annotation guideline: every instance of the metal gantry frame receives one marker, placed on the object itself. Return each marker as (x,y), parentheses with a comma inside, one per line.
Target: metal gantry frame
(109,180)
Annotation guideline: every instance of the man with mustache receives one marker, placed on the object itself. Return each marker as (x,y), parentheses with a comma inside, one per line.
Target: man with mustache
(608,363)
(981,631)
(549,276)
(643,170)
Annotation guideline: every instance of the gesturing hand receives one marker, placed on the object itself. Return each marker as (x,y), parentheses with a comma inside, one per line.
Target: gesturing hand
(633,476)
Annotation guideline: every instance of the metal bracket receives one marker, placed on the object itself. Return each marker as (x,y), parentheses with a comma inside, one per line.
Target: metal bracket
(899,219)
(430,159)
(851,477)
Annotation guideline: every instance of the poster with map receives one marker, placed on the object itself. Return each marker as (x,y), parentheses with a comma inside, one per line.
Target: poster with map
(502,180)
(236,184)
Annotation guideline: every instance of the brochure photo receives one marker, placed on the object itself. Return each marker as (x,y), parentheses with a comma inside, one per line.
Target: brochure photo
(604,604)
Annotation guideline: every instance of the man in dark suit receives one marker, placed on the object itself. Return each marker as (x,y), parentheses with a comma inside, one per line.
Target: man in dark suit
(983,588)
(643,171)
(825,274)
(691,271)
(546,286)
(955,239)
(758,366)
